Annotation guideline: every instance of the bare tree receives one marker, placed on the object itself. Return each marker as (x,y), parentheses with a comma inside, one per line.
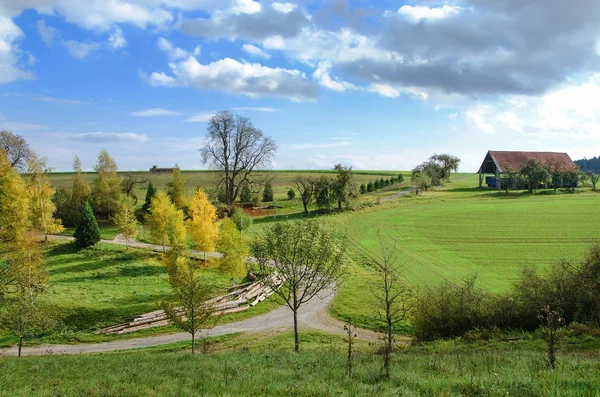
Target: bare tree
(305,258)
(128,184)
(306,187)
(16,148)
(392,298)
(236,148)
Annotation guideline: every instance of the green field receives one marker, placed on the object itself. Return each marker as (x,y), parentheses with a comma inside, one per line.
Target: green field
(255,364)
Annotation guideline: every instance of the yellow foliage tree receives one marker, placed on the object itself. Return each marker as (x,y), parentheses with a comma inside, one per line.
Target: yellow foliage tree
(233,249)
(40,198)
(166,222)
(202,223)
(14,205)
(107,185)
(125,219)
(81,189)
(178,189)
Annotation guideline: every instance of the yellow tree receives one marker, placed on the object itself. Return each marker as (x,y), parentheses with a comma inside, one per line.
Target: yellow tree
(178,189)
(40,198)
(202,223)
(233,249)
(107,185)
(81,189)
(166,222)
(125,219)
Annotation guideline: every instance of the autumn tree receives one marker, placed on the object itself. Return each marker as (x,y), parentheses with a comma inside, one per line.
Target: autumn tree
(166,222)
(87,232)
(189,308)
(202,223)
(236,148)
(177,192)
(306,188)
(107,186)
(233,249)
(125,219)
(392,300)
(40,194)
(81,189)
(306,258)
(16,149)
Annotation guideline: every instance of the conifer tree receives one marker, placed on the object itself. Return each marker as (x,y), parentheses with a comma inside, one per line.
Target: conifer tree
(232,246)
(202,223)
(87,232)
(267,192)
(166,222)
(125,219)
(150,193)
(40,198)
(245,193)
(178,189)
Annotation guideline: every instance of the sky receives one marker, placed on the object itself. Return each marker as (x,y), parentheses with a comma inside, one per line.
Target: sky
(375,85)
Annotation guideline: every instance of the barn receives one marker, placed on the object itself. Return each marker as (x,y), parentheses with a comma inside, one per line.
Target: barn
(497,162)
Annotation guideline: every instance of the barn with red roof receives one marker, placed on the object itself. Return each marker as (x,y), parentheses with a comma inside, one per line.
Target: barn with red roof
(497,162)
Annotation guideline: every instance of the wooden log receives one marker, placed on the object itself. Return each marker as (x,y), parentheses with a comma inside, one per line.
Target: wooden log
(233,310)
(144,326)
(231,304)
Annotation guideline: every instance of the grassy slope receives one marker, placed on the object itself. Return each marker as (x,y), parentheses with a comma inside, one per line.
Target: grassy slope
(99,286)
(265,365)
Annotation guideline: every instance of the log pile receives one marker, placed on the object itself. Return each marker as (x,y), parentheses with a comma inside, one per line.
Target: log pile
(238,299)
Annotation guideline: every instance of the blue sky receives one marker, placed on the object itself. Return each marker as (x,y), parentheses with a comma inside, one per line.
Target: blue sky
(374,86)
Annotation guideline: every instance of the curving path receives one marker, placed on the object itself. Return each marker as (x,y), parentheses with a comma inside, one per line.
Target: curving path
(312,315)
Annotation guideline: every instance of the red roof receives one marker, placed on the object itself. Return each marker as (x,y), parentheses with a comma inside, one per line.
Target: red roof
(517,160)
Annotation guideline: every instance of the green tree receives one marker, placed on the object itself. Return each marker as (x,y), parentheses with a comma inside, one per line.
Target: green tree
(87,232)
(40,195)
(304,257)
(242,220)
(81,189)
(363,188)
(446,163)
(166,222)
(344,187)
(177,192)
(324,193)
(107,186)
(291,194)
(233,249)
(376,185)
(421,180)
(306,187)
(150,193)
(245,193)
(593,177)
(400,178)
(125,219)
(535,173)
(189,308)
(267,195)
(370,187)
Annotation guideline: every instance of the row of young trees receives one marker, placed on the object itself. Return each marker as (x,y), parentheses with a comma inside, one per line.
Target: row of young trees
(326,191)
(380,184)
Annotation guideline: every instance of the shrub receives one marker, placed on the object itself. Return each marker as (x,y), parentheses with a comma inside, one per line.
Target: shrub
(245,193)
(291,194)
(87,232)
(242,220)
(376,185)
(363,189)
(267,195)
(370,187)
(400,178)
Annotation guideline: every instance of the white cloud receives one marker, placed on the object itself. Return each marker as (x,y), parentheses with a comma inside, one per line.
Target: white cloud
(155,112)
(109,137)
(384,90)
(477,119)
(283,7)
(323,77)
(200,117)
(9,52)
(47,33)
(510,120)
(255,51)
(453,116)
(246,7)
(175,53)
(117,40)
(251,79)
(418,13)
(80,50)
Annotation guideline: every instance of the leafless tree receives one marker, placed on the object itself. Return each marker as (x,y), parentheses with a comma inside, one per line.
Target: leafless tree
(306,187)
(235,147)
(16,148)
(392,299)
(300,260)
(128,185)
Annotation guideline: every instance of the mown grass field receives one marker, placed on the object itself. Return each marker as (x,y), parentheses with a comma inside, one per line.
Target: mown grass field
(256,364)
(98,286)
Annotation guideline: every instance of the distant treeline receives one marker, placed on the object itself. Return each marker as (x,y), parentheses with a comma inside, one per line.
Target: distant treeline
(586,165)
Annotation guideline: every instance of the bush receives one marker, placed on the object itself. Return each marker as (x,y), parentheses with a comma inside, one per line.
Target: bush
(400,178)
(376,185)
(363,189)
(87,232)
(370,187)
(267,195)
(245,193)
(242,220)
(291,194)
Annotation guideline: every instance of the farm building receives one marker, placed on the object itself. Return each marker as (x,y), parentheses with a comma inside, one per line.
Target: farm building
(496,163)
(156,169)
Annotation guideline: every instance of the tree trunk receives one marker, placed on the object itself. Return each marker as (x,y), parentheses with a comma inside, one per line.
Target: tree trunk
(193,342)
(20,345)
(296,336)
(305,206)
(339,204)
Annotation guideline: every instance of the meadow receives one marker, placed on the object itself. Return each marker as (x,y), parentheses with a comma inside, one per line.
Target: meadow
(264,364)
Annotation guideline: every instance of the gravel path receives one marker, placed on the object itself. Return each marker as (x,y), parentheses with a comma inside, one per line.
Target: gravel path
(312,315)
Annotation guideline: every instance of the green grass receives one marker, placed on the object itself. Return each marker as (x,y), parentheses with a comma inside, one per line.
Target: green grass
(97,287)
(265,365)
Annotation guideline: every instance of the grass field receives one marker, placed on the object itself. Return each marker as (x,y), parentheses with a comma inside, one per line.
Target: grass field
(255,364)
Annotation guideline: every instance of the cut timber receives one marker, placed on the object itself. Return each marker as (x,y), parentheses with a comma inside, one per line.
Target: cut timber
(234,310)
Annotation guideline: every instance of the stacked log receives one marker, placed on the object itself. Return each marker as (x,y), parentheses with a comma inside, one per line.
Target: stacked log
(238,299)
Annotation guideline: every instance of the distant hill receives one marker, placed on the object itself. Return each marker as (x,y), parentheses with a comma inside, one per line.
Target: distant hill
(586,165)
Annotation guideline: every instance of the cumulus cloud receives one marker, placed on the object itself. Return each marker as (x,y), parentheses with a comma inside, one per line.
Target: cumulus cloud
(175,53)
(155,112)
(10,54)
(283,7)
(251,79)
(418,13)
(255,51)
(323,77)
(117,40)
(246,7)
